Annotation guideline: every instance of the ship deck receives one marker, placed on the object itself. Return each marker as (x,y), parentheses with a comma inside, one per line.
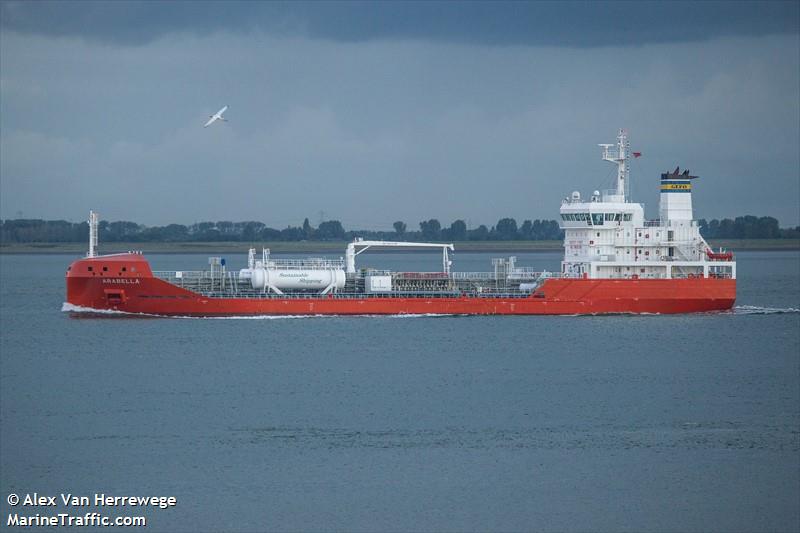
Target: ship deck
(405,285)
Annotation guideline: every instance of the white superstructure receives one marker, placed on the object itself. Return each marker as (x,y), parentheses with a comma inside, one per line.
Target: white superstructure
(607,236)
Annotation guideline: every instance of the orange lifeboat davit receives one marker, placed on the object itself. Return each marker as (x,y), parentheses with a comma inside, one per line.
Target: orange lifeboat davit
(719,256)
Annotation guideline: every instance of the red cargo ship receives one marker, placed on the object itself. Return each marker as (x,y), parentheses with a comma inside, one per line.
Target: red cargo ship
(615,261)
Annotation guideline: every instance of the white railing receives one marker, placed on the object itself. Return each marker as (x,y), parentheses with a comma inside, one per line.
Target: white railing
(183,274)
(473,275)
(313,263)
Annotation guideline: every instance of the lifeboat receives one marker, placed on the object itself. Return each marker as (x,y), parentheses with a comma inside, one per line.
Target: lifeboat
(719,256)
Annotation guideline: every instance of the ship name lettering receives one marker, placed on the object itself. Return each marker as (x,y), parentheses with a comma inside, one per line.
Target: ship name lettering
(123,281)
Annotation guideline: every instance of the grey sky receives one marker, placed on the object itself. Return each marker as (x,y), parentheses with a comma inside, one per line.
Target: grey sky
(380,112)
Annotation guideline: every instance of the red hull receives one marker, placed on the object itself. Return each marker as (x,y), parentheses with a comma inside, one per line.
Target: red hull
(127,285)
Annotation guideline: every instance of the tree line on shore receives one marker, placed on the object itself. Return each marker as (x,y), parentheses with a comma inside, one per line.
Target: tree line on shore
(506,229)
(746,227)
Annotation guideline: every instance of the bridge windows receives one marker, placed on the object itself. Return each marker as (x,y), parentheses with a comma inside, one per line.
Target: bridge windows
(597,219)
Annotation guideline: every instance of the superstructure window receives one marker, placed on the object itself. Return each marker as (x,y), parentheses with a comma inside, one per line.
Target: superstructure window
(627,217)
(597,219)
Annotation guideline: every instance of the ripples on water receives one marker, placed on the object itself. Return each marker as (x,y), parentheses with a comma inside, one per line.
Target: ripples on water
(681,435)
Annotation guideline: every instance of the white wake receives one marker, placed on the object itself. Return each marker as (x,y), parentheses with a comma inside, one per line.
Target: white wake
(71,308)
(758,310)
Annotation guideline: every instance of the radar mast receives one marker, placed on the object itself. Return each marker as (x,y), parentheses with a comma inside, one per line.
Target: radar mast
(619,156)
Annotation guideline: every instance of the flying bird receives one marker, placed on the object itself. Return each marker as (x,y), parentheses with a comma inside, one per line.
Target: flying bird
(216,116)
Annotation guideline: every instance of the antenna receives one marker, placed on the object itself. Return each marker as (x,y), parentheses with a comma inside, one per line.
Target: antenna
(620,158)
(92,234)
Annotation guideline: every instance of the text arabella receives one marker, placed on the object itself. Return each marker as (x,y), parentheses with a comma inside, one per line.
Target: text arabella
(122,281)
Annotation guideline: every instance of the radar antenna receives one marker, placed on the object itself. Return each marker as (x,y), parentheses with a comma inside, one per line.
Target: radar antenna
(619,156)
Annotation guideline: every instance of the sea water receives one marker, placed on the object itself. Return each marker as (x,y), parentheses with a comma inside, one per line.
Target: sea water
(636,423)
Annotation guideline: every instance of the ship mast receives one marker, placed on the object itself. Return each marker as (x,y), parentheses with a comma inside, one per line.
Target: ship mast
(92,234)
(619,156)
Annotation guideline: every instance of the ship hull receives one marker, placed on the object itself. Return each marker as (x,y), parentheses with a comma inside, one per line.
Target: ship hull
(135,290)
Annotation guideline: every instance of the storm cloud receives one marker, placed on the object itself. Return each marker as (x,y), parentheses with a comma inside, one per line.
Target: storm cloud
(364,115)
(541,23)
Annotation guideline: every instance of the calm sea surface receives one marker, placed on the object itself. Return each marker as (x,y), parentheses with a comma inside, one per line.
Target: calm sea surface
(635,423)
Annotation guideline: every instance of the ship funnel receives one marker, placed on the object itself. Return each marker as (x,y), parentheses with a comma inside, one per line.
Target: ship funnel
(675,205)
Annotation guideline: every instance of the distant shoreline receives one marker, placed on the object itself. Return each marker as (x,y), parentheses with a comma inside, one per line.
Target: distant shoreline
(505,247)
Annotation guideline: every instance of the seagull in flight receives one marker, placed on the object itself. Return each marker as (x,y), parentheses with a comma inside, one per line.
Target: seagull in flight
(216,116)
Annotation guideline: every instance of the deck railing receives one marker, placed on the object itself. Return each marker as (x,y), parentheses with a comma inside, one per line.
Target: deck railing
(312,263)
